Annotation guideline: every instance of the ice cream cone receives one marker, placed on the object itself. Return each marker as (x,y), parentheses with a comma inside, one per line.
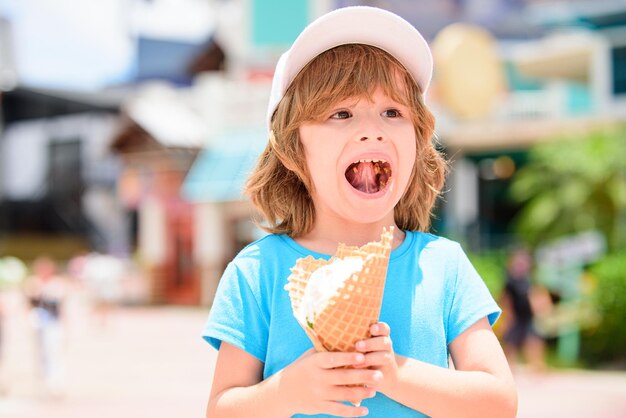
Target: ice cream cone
(355,306)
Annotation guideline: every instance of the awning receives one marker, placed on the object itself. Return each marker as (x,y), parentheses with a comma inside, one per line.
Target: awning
(221,169)
(566,56)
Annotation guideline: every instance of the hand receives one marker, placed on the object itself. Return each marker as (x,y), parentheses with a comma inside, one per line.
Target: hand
(379,355)
(316,383)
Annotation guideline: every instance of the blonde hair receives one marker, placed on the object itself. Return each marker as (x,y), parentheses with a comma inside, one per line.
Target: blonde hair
(280,183)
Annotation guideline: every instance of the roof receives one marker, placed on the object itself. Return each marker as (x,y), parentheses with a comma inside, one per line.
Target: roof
(23,103)
(597,15)
(568,56)
(166,114)
(220,171)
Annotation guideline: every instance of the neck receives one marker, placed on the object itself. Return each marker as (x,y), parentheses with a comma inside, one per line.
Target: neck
(325,238)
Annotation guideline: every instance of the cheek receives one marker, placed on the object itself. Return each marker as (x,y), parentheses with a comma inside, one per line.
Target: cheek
(321,159)
(321,171)
(408,157)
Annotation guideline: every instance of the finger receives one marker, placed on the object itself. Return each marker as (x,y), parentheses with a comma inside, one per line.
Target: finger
(344,377)
(378,358)
(374,344)
(380,329)
(343,410)
(332,360)
(354,394)
(309,352)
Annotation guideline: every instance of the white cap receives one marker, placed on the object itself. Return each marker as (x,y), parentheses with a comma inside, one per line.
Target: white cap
(354,25)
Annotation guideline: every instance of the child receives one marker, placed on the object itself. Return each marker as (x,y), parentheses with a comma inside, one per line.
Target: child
(524,301)
(350,152)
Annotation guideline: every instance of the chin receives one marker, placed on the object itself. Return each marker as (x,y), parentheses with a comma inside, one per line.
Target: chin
(368,213)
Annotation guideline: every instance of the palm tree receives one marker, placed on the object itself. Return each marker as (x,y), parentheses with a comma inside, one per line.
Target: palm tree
(573,184)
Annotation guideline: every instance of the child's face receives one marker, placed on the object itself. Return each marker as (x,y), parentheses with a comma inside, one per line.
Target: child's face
(360,158)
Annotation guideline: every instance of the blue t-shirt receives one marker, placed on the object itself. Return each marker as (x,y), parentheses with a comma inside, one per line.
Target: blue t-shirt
(432,294)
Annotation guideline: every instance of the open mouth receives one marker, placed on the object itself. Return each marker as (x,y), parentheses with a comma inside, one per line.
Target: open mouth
(369,176)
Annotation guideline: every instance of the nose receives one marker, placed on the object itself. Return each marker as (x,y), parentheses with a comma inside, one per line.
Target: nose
(370,128)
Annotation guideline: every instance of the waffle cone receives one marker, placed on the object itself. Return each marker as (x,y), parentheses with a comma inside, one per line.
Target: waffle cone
(355,306)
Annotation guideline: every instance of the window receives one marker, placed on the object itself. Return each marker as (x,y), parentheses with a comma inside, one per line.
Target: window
(618,60)
(65,182)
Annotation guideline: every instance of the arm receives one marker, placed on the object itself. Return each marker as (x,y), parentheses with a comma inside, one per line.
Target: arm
(480,386)
(312,384)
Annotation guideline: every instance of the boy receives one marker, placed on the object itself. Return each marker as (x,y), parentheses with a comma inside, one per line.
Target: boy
(349,153)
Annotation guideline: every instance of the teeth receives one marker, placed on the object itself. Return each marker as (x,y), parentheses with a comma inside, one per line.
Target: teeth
(370,161)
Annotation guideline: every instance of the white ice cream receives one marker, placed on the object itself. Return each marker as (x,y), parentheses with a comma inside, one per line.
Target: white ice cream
(323,284)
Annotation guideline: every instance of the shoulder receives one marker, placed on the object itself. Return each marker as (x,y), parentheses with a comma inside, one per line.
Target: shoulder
(428,244)
(262,248)
(437,255)
(267,241)
(263,259)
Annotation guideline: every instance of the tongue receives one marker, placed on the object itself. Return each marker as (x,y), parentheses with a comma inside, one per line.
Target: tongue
(362,177)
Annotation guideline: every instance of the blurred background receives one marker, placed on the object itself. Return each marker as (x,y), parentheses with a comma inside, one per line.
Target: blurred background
(127,128)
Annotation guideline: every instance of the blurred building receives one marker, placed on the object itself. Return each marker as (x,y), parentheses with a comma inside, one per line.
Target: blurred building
(570,80)
(163,144)
(69,155)
(57,175)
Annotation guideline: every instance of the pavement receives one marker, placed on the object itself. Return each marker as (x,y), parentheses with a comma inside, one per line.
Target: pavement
(151,362)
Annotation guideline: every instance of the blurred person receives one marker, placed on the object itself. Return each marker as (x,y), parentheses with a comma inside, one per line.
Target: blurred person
(101,273)
(12,272)
(2,388)
(1,319)
(46,291)
(523,301)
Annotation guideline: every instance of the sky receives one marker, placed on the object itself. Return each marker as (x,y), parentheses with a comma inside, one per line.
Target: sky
(88,44)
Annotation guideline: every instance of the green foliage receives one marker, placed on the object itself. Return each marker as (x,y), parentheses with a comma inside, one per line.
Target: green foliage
(572,184)
(491,267)
(606,342)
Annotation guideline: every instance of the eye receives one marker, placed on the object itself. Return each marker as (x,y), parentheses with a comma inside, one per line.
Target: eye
(392,113)
(342,114)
